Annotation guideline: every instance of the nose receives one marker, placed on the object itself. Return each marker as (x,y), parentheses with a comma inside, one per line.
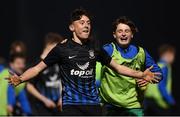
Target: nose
(123,34)
(86,25)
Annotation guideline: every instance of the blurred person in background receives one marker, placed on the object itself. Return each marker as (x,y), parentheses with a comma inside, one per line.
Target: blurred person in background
(18,103)
(3,62)
(3,90)
(18,47)
(159,99)
(45,90)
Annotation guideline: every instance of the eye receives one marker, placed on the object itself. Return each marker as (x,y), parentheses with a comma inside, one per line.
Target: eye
(127,31)
(88,23)
(120,31)
(81,22)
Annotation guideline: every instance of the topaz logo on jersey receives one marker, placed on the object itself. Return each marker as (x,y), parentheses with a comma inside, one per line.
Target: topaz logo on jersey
(81,72)
(70,57)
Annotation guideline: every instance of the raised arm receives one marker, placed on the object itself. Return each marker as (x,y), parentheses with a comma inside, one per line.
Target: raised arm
(28,74)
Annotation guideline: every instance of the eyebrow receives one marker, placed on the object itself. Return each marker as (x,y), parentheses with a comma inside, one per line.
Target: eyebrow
(84,20)
(122,29)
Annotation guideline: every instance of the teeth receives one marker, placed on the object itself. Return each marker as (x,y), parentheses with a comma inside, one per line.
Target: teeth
(86,31)
(123,38)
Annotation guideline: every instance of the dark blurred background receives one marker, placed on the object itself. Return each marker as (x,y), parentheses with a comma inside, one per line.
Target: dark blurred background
(29,20)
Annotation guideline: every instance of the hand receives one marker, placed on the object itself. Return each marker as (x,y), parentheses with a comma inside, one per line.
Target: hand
(150,76)
(49,103)
(9,109)
(13,79)
(59,104)
(142,82)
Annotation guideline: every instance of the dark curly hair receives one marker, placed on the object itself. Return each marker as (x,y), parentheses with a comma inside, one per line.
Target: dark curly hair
(126,21)
(78,13)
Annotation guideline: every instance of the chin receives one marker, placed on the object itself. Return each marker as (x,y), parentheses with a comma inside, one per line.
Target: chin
(84,37)
(124,45)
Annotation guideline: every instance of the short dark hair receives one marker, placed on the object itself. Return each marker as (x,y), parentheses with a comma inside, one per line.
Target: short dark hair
(166,48)
(78,13)
(126,21)
(15,44)
(13,56)
(52,37)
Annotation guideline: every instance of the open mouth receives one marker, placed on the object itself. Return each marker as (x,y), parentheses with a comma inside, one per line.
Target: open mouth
(124,38)
(86,31)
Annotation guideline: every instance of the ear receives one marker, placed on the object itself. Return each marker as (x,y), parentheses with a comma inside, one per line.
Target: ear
(114,35)
(71,27)
(132,36)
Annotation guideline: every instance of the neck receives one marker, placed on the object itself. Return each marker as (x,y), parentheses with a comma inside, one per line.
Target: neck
(77,40)
(123,46)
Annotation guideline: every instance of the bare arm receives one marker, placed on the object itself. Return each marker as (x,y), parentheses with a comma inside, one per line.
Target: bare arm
(28,74)
(59,104)
(32,72)
(31,89)
(146,75)
(121,69)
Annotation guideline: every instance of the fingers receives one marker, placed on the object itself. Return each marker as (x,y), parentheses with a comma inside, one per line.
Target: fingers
(53,105)
(59,107)
(152,77)
(142,83)
(7,78)
(158,73)
(155,80)
(13,80)
(148,79)
(150,67)
(50,104)
(139,80)
(157,77)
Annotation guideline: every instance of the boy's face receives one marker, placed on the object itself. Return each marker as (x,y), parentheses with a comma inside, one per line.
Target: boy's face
(81,28)
(123,35)
(169,57)
(18,65)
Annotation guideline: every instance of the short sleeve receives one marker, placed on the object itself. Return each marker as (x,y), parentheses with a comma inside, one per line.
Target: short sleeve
(103,57)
